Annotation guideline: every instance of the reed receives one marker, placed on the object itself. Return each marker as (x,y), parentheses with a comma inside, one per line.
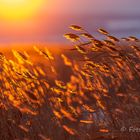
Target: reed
(100,97)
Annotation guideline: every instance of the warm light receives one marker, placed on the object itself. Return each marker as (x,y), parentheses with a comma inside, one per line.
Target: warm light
(18,9)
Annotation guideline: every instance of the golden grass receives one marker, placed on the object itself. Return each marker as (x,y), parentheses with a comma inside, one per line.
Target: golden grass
(86,92)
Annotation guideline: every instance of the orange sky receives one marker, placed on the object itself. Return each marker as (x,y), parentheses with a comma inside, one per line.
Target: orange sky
(49,21)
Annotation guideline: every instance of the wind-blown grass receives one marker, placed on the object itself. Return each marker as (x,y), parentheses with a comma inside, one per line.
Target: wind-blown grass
(99,96)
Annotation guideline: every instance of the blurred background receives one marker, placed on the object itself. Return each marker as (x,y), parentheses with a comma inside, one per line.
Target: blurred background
(51,20)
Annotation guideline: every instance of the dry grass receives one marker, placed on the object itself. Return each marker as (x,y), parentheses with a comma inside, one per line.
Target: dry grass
(87,92)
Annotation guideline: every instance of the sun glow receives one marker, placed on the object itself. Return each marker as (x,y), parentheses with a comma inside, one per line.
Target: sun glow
(18,9)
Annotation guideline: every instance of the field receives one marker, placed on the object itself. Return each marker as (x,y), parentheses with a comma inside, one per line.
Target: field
(86,91)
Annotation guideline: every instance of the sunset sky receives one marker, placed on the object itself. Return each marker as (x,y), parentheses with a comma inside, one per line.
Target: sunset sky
(47,20)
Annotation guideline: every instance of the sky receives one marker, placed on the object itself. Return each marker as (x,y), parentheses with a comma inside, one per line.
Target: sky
(50,20)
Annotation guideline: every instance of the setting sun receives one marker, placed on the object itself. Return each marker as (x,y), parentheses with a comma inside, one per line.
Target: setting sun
(18,9)
(69,69)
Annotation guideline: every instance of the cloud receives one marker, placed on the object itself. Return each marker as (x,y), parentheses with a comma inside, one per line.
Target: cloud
(53,19)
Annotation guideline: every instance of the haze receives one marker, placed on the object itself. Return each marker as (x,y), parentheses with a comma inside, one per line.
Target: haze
(50,22)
